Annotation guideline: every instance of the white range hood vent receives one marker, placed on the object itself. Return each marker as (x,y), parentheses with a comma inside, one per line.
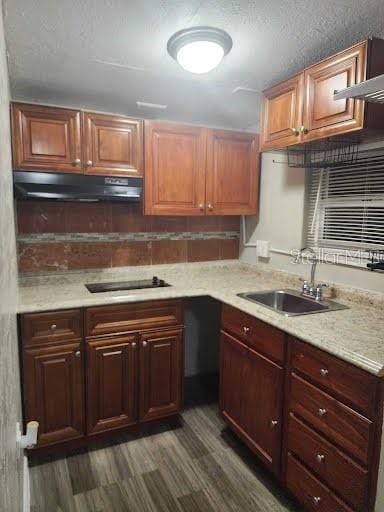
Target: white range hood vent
(371,90)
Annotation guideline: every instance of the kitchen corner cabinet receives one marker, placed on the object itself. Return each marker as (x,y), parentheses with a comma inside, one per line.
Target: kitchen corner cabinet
(126,369)
(302,109)
(62,140)
(251,384)
(191,170)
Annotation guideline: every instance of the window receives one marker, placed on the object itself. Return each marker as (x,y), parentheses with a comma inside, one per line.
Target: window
(346,205)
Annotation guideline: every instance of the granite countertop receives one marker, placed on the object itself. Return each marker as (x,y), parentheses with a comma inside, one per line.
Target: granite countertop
(355,334)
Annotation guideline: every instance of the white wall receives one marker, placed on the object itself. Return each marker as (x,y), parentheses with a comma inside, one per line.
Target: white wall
(282,222)
(11,460)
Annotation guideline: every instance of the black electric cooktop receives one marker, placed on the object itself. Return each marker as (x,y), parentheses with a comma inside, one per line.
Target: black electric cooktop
(115,286)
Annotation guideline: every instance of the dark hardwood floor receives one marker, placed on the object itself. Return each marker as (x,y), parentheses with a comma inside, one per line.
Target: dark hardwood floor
(196,466)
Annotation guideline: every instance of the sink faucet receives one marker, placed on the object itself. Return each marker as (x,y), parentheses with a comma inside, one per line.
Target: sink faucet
(310,289)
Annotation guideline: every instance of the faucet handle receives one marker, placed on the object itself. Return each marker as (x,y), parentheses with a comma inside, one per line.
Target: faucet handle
(305,287)
(319,291)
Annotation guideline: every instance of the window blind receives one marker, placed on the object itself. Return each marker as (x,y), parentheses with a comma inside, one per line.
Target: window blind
(346,204)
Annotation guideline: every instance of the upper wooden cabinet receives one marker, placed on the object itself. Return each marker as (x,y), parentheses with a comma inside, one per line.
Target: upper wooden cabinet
(46,138)
(282,113)
(58,139)
(112,145)
(322,115)
(199,171)
(174,169)
(302,109)
(232,177)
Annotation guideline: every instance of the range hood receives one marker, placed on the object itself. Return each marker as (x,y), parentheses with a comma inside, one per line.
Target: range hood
(371,90)
(75,187)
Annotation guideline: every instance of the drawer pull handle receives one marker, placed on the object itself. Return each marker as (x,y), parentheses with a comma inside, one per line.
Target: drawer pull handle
(77,353)
(322,412)
(53,327)
(320,458)
(324,372)
(274,423)
(246,330)
(316,500)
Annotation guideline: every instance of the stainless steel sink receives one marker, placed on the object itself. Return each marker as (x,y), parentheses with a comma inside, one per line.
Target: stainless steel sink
(290,302)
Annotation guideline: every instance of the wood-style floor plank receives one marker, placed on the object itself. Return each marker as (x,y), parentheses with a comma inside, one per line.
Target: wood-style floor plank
(195,502)
(199,466)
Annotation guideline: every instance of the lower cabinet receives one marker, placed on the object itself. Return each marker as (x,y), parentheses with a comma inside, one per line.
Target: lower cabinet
(54,391)
(80,388)
(251,394)
(112,372)
(161,373)
(133,378)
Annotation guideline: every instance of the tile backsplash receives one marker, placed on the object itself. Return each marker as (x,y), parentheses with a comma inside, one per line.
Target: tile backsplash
(56,236)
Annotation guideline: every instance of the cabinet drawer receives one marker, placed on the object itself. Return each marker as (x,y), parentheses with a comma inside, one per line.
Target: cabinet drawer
(121,318)
(51,327)
(309,491)
(338,422)
(256,334)
(328,462)
(345,381)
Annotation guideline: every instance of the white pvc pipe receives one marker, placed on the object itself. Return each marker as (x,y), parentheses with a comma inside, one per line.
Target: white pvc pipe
(250,244)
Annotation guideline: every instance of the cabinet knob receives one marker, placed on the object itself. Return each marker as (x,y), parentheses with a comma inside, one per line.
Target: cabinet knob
(144,343)
(201,206)
(274,423)
(77,353)
(133,345)
(316,500)
(324,372)
(53,327)
(322,412)
(303,130)
(210,207)
(295,131)
(246,329)
(88,163)
(320,458)
(76,161)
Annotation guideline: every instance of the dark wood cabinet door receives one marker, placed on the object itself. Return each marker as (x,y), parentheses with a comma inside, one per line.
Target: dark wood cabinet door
(161,373)
(113,145)
(232,364)
(261,412)
(251,394)
(232,177)
(175,160)
(323,116)
(54,391)
(281,114)
(46,138)
(111,383)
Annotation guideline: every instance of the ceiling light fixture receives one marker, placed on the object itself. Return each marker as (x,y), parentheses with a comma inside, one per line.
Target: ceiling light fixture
(199,49)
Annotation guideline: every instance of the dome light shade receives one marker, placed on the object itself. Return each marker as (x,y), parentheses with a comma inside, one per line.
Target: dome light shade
(199,49)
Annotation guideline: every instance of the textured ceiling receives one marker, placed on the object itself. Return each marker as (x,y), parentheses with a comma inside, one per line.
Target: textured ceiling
(108,54)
